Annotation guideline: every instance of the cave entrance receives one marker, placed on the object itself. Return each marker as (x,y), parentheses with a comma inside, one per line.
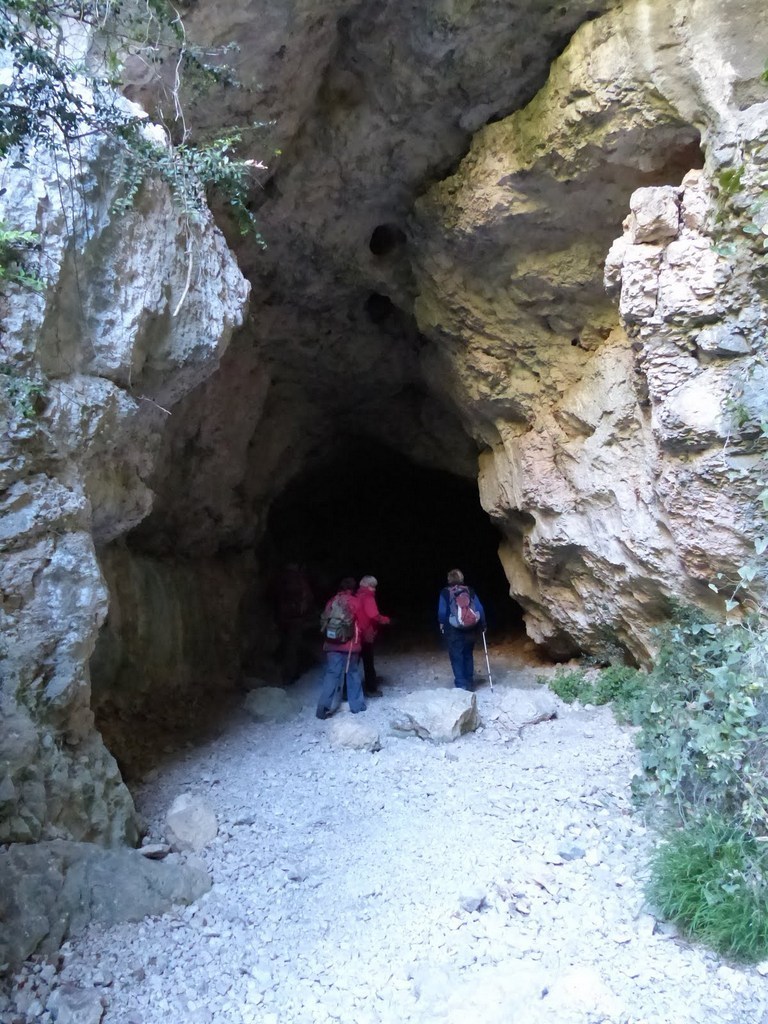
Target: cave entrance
(370,510)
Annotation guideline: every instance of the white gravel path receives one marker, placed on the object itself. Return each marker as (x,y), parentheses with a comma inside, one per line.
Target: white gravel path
(344,882)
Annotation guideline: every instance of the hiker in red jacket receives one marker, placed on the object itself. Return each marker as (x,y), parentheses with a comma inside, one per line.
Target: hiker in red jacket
(340,624)
(370,621)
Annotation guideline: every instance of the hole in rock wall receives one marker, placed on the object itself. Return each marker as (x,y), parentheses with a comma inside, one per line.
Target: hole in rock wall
(371,511)
(386,238)
(379,307)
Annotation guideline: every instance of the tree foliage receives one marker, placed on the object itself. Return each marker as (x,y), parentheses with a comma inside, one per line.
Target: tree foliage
(60,84)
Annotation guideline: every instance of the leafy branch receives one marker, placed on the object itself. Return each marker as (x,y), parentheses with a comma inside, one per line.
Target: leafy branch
(66,57)
(14,245)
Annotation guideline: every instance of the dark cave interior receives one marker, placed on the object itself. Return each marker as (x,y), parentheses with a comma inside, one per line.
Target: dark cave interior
(369,510)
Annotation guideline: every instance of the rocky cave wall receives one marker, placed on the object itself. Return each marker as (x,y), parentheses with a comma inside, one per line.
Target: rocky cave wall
(116,350)
(610,448)
(448,187)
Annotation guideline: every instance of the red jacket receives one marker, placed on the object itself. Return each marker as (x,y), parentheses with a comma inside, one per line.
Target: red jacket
(369,617)
(349,645)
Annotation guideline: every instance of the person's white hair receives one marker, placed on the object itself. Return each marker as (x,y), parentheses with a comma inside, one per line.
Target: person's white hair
(369,581)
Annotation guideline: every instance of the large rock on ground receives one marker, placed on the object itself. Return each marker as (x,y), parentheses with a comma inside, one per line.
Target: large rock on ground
(191,823)
(513,709)
(72,1005)
(354,735)
(269,704)
(54,889)
(438,715)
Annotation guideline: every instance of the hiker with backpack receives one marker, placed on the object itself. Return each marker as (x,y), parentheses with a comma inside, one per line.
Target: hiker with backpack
(370,621)
(340,625)
(461,619)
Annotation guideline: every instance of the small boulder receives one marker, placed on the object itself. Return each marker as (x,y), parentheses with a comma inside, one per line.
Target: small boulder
(155,851)
(513,710)
(191,823)
(269,704)
(72,1005)
(348,732)
(437,715)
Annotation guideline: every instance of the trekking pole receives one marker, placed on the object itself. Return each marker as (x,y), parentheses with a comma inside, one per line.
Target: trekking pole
(487,662)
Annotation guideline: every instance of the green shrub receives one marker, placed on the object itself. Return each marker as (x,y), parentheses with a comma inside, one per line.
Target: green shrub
(14,247)
(569,686)
(621,686)
(704,721)
(25,394)
(617,683)
(711,879)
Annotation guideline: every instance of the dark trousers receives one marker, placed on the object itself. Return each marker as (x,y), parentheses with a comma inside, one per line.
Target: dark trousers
(461,646)
(369,669)
(337,663)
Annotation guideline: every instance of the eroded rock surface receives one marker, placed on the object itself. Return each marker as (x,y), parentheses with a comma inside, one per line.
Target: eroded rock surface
(610,446)
(50,890)
(438,715)
(439,219)
(113,346)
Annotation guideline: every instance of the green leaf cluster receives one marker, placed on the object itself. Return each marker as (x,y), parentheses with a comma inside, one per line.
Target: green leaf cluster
(618,684)
(26,394)
(14,245)
(54,101)
(703,721)
(711,879)
(192,173)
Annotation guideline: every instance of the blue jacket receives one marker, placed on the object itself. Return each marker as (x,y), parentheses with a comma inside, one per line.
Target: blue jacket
(444,610)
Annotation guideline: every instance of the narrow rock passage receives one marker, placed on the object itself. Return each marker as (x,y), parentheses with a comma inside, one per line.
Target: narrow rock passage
(495,879)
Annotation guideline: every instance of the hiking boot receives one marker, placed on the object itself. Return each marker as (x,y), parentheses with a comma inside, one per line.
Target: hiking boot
(322,714)
(374,693)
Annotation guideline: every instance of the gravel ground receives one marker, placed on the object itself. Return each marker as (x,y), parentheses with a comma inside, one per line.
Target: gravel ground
(497,879)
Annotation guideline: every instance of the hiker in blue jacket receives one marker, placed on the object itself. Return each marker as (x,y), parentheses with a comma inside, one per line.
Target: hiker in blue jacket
(461,618)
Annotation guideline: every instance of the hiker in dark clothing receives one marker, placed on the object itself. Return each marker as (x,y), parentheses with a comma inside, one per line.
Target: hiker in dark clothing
(370,620)
(341,627)
(461,618)
(295,601)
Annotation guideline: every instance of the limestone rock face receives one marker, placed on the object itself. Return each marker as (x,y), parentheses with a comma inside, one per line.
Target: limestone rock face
(447,273)
(365,104)
(50,890)
(112,346)
(610,445)
(169,650)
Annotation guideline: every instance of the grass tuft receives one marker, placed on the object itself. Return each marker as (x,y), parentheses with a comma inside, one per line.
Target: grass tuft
(711,879)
